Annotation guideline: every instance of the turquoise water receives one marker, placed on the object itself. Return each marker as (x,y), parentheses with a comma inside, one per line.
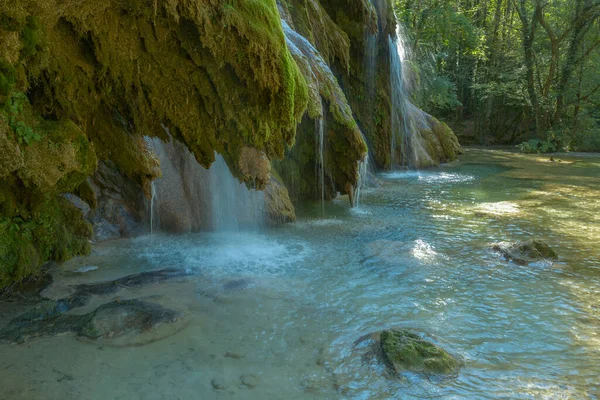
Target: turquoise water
(286,306)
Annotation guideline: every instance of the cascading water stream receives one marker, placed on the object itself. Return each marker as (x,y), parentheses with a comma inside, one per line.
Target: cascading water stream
(320,164)
(399,119)
(363,171)
(153,196)
(191,198)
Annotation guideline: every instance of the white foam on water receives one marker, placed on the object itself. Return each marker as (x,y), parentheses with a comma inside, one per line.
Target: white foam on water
(226,254)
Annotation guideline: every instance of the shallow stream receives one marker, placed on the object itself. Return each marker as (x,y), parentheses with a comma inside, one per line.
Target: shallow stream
(275,314)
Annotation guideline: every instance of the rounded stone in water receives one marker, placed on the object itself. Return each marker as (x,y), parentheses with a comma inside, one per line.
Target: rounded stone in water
(403,350)
(526,252)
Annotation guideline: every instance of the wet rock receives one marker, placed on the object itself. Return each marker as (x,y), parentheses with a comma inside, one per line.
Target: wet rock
(47,317)
(117,203)
(254,165)
(278,206)
(237,284)
(119,323)
(86,268)
(403,350)
(218,384)
(29,290)
(249,380)
(122,317)
(525,252)
(234,355)
(83,292)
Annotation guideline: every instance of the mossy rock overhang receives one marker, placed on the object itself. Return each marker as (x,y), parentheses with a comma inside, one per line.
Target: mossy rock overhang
(91,78)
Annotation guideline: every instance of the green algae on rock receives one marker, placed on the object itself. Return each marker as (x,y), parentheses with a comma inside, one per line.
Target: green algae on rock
(404,350)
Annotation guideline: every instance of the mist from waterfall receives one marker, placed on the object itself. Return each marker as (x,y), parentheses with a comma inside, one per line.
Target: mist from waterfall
(190,198)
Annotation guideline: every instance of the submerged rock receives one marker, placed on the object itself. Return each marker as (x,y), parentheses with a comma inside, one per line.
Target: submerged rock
(83,292)
(129,322)
(403,350)
(219,384)
(249,380)
(48,317)
(525,252)
(30,289)
(119,323)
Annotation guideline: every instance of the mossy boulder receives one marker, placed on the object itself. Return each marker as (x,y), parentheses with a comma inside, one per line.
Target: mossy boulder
(438,140)
(403,350)
(406,351)
(526,252)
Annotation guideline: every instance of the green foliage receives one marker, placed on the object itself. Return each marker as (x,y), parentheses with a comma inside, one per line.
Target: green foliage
(51,229)
(14,109)
(516,69)
(31,37)
(538,146)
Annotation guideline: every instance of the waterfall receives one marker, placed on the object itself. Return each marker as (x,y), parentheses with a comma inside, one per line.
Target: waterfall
(399,125)
(233,205)
(370,64)
(320,164)
(191,198)
(153,197)
(363,171)
(405,117)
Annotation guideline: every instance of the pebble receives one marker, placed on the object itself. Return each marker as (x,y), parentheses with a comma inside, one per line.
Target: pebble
(249,380)
(218,384)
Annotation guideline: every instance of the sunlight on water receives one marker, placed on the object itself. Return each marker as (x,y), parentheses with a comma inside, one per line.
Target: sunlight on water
(429,177)
(277,314)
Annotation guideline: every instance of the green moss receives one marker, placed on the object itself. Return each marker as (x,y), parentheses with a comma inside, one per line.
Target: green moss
(7,78)
(407,351)
(85,80)
(31,37)
(35,229)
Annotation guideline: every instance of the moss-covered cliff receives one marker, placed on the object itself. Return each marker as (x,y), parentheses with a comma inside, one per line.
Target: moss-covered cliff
(82,81)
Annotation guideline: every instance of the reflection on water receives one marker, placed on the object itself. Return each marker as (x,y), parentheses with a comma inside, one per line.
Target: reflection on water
(276,315)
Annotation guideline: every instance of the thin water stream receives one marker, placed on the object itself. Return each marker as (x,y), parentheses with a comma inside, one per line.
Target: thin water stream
(274,315)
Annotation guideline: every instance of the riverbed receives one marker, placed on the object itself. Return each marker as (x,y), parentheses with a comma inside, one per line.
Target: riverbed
(275,314)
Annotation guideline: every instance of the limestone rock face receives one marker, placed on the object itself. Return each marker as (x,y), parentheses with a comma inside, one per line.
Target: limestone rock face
(435,141)
(278,206)
(526,252)
(254,164)
(118,204)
